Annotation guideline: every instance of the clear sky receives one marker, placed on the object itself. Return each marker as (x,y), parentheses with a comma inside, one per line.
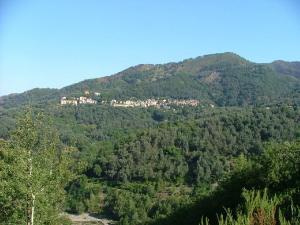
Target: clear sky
(54,43)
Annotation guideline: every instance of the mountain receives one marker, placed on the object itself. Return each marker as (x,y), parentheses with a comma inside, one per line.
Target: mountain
(287,68)
(173,164)
(224,79)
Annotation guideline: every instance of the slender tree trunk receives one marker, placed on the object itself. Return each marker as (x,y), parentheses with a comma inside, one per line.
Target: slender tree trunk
(28,211)
(32,209)
(30,199)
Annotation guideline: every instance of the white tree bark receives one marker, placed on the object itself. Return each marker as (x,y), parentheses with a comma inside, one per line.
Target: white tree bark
(32,209)
(31,200)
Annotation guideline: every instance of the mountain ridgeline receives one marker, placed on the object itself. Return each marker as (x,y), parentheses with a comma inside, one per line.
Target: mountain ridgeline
(229,157)
(224,79)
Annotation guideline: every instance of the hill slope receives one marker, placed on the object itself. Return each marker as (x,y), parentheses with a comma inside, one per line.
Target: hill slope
(225,79)
(163,165)
(287,68)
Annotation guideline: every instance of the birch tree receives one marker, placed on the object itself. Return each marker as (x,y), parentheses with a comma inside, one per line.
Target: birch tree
(34,173)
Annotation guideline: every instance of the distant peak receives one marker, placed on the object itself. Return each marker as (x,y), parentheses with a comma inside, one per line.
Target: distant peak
(228,58)
(225,55)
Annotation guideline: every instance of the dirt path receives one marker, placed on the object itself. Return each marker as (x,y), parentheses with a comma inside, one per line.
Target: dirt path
(86,219)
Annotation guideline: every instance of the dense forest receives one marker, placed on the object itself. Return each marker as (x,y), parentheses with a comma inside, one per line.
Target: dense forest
(233,159)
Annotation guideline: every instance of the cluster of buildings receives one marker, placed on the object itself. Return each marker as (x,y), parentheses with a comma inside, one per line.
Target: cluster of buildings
(159,103)
(86,99)
(77,101)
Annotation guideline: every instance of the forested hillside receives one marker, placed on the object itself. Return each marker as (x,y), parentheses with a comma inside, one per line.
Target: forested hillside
(222,161)
(224,79)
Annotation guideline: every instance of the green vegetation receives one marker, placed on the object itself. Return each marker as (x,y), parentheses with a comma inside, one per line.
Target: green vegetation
(147,175)
(258,209)
(34,170)
(235,163)
(226,205)
(223,79)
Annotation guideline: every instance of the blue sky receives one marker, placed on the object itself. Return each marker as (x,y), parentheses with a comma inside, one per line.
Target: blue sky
(54,43)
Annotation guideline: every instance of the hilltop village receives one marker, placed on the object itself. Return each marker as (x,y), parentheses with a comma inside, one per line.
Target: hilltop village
(77,101)
(158,103)
(81,100)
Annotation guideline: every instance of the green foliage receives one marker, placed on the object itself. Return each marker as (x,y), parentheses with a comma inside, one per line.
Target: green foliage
(196,150)
(279,206)
(189,154)
(258,209)
(34,171)
(193,150)
(282,164)
(225,79)
(159,166)
(136,203)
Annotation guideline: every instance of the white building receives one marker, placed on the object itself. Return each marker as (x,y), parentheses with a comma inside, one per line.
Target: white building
(65,101)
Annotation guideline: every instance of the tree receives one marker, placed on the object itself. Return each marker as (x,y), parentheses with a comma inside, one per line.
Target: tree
(34,171)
